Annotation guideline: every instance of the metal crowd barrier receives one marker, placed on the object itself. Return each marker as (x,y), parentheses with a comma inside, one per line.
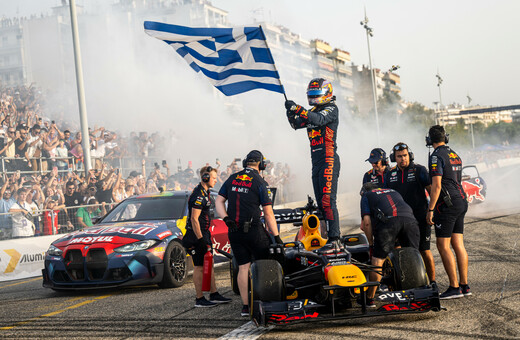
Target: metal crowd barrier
(46,221)
(11,165)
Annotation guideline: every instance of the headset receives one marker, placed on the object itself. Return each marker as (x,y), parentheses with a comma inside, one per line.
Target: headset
(400,147)
(384,161)
(429,141)
(206,175)
(261,166)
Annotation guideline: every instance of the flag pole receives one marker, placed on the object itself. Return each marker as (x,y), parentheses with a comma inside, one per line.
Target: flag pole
(272,59)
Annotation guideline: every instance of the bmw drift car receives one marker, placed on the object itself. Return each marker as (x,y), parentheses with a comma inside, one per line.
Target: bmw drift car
(137,242)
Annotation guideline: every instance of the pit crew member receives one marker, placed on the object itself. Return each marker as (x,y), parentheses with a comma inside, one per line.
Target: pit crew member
(385,218)
(411,180)
(321,122)
(379,169)
(197,240)
(446,210)
(245,192)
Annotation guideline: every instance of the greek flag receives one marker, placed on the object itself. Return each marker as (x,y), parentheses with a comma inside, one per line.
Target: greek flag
(235,60)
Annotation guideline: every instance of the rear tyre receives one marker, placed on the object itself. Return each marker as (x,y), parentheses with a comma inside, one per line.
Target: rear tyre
(404,269)
(266,283)
(175,266)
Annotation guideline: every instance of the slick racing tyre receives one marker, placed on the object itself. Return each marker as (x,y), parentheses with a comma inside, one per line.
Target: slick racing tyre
(266,283)
(233,273)
(175,266)
(404,269)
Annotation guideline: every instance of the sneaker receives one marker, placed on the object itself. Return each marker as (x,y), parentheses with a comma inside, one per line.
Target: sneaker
(451,293)
(465,290)
(202,302)
(370,302)
(245,310)
(217,298)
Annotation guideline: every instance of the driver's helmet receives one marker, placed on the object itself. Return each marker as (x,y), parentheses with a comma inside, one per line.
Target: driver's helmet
(319,91)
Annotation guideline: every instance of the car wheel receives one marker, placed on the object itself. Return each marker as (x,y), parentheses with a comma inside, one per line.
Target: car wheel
(175,266)
(233,273)
(266,283)
(404,268)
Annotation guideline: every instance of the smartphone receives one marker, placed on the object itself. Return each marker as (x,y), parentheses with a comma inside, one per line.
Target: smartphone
(216,160)
(237,159)
(164,162)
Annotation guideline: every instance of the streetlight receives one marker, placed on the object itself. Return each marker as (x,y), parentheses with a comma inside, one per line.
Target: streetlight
(370,33)
(439,82)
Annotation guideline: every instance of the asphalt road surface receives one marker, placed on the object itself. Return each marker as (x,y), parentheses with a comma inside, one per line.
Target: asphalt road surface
(493,312)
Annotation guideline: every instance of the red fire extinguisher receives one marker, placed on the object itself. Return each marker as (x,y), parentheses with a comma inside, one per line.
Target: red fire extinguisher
(207,269)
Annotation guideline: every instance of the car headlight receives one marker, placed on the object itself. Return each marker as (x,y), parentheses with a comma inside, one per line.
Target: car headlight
(54,251)
(141,245)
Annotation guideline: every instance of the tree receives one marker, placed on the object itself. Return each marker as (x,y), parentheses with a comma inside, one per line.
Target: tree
(417,113)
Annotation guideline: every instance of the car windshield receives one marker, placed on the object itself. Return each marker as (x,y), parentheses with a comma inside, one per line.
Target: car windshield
(161,208)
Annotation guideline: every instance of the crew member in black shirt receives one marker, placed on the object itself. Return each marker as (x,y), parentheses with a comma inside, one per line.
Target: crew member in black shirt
(197,240)
(411,180)
(447,209)
(379,168)
(245,192)
(385,218)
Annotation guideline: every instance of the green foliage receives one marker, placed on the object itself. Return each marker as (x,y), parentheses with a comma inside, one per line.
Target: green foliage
(419,114)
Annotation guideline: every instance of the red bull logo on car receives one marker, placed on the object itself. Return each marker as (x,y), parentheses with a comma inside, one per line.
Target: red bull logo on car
(473,190)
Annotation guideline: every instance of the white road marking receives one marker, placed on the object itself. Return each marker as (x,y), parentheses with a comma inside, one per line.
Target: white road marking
(247,331)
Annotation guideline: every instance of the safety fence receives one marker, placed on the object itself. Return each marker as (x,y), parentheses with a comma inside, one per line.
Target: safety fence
(55,221)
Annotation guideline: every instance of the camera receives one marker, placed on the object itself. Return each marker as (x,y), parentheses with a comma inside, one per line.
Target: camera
(156,165)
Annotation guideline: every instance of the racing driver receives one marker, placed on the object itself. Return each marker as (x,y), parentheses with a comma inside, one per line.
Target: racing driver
(321,122)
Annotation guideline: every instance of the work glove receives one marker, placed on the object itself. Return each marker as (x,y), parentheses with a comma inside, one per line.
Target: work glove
(290,105)
(230,223)
(278,240)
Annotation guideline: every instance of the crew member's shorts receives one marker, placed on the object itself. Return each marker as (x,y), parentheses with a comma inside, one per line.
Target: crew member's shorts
(404,229)
(190,243)
(250,246)
(450,220)
(425,232)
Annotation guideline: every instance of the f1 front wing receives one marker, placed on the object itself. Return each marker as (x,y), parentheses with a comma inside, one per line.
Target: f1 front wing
(419,300)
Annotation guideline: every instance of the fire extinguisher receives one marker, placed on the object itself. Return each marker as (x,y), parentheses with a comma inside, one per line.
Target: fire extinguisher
(207,269)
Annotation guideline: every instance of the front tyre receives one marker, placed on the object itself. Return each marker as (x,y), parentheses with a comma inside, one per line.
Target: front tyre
(175,266)
(404,269)
(267,283)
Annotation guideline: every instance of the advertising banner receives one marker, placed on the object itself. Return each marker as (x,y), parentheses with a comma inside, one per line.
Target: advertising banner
(23,257)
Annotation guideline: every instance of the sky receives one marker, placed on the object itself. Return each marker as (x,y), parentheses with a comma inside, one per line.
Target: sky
(473,44)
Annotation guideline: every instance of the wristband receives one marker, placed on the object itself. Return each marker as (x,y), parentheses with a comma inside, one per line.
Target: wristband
(431,209)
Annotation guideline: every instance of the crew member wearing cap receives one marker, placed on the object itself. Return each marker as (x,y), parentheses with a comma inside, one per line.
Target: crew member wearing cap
(385,218)
(411,180)
(245,192)
(321,122)
(379,168)
(197,240)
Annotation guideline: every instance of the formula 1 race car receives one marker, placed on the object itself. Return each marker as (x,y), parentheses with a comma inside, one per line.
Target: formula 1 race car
(301,283)
(473,184)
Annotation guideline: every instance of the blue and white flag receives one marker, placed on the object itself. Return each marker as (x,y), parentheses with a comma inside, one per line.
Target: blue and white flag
(235,60)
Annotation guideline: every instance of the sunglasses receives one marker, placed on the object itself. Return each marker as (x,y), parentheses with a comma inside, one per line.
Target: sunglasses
(400,147)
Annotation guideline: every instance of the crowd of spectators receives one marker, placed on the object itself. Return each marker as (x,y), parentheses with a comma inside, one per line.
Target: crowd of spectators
(44,190)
